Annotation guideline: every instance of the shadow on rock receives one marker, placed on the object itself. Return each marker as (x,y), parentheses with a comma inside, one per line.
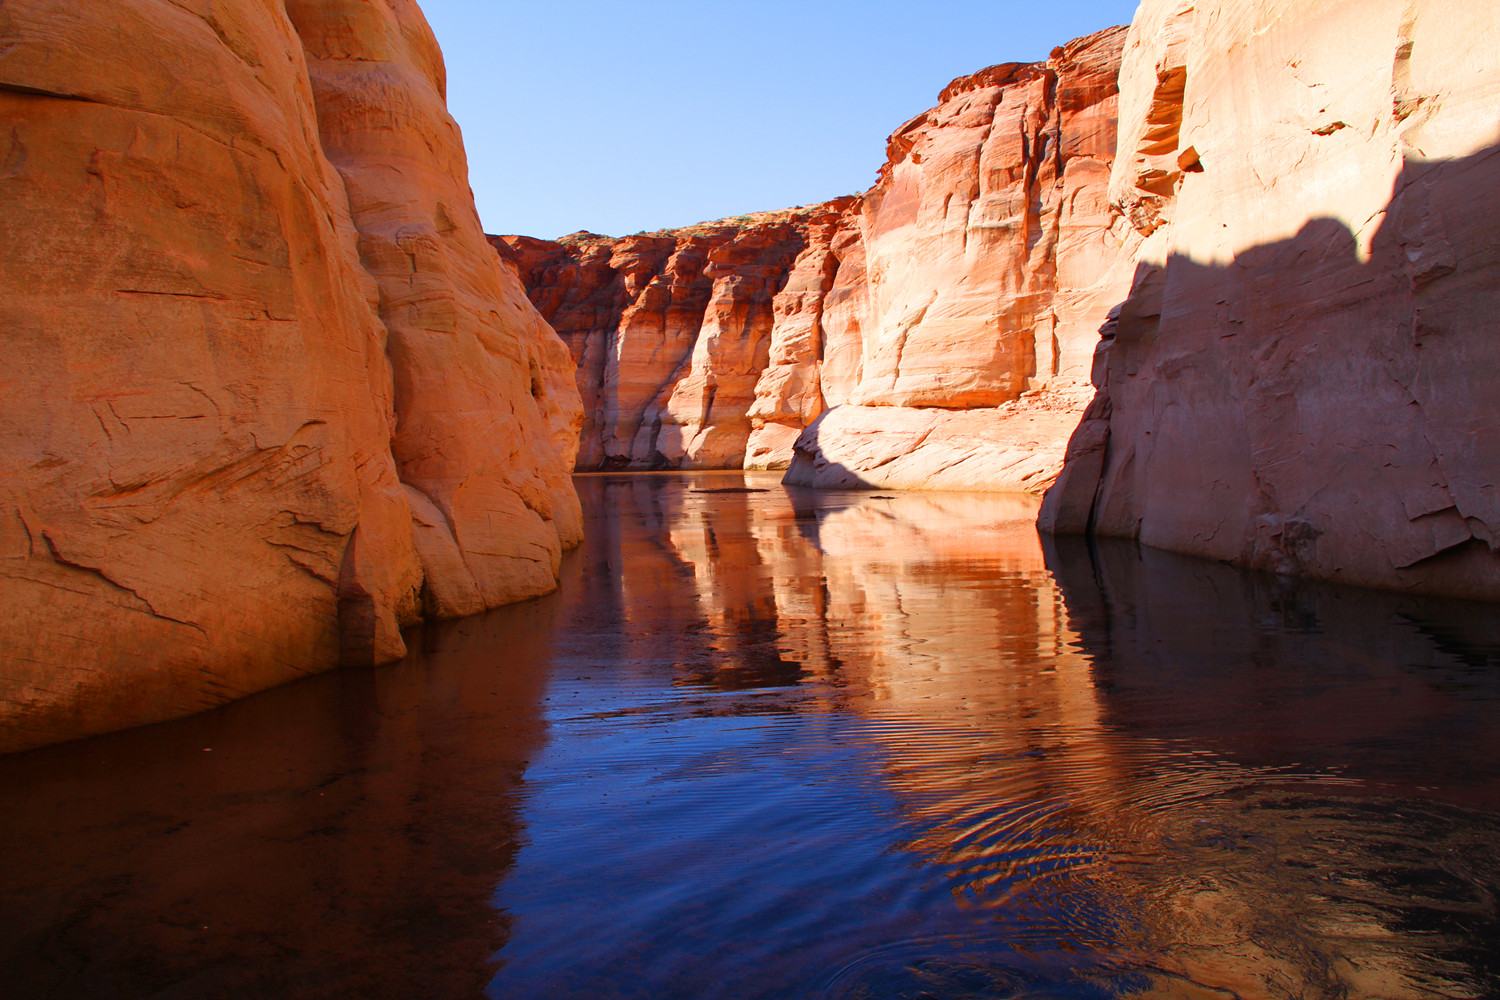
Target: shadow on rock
(1304,410)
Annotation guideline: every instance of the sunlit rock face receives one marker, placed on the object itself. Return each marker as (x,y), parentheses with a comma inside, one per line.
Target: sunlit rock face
(935,332)
(696,347)
(991,256)
(1302,378)
(267,393)
(1062,724)
(486,419)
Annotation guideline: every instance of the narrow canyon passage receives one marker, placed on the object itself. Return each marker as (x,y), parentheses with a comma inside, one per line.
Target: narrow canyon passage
(771,742)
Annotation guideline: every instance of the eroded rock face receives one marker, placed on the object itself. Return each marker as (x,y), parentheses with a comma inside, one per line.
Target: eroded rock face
(935,332)
(697,347)
(483,403)
(1302,378)
(991,256)
(254,350)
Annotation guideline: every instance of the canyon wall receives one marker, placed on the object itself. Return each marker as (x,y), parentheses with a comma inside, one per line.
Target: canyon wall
(989,258)
(693,345)
(935,332)
(268,396)
(1302,376)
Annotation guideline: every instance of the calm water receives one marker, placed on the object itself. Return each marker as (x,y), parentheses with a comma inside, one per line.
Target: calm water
(789,744)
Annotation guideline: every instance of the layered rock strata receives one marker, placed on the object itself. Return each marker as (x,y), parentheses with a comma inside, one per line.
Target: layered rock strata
(990,257)
(696,347)
(267,395)
(1301,379)
(935,332)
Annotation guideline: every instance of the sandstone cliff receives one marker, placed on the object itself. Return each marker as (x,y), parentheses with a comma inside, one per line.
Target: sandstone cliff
(266,393)
(935,332)
(696,347)
(1302,377)
(990,255)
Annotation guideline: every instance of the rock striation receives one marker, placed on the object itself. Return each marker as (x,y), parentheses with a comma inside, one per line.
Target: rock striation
(990,255)
(935,332)
(267,395)
(1301,378)
(696,347)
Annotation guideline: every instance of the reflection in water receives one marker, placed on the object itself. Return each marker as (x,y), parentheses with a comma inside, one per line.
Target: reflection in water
(336,838)
(797,744)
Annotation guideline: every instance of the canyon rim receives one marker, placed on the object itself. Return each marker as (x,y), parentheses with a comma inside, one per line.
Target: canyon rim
(935,332)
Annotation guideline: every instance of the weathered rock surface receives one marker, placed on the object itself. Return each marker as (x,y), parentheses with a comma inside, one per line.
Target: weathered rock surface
(990,257)
(266,391)
(1302,378)
(696,347)
(484,405)
(934,333)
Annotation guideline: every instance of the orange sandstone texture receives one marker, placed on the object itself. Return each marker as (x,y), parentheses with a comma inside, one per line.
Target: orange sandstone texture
(1303,376)
(266,393)
(990,258)
(484,402)
(934,333)
(696,347)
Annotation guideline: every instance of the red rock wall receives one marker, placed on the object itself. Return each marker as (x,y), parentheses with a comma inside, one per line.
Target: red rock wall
(696,348)
(990,258)
(1302,378)
(254,348)
(934,333)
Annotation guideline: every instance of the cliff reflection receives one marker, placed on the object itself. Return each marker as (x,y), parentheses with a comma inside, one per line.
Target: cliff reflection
(1320,768)
(1153,774)
(798,744)
(1400,691)
(890,592)
(336,838)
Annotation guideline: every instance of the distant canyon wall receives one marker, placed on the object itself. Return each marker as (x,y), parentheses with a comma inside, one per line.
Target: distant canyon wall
(1302,378)
(935,332)
(268,396)
(693,345)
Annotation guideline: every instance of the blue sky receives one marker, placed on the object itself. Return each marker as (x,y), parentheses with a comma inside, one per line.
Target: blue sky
(642,114)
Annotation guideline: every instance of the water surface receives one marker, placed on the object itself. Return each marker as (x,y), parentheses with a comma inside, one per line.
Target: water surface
(777,743)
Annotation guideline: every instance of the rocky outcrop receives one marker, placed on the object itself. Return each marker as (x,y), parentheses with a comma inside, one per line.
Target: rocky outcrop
(991,255)
(484,401)
(935,332)
(1301,379)
(696,347)
(268,396)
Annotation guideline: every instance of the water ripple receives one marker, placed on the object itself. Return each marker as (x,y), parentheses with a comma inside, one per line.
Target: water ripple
(797,745)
